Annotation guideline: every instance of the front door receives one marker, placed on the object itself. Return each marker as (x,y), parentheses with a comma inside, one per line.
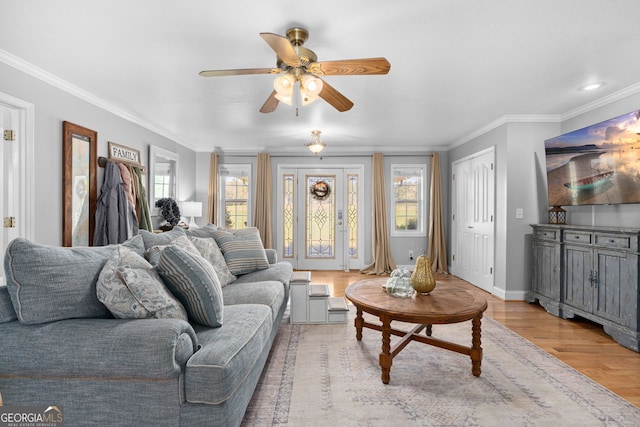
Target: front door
(320,224)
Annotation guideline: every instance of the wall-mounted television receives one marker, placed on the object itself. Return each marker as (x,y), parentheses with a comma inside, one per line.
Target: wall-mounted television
(595,165)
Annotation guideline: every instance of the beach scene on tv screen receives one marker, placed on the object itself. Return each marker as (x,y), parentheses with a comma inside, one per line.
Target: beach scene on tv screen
(599,164)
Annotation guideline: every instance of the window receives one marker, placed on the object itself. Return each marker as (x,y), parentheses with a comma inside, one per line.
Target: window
(408,200)
(235,181)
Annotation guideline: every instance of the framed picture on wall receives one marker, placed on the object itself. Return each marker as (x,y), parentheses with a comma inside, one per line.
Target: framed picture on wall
(79,184)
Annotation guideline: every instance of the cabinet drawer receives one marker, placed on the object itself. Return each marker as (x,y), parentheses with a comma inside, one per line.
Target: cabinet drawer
(613,241)
(547,234)
(577,237)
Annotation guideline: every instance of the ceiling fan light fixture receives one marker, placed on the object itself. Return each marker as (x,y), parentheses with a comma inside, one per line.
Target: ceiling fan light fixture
(315,145)
(310,88)
(284,88)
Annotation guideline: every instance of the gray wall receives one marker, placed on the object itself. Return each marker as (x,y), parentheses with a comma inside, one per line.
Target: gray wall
(52,107)
(400,246)
(521,182)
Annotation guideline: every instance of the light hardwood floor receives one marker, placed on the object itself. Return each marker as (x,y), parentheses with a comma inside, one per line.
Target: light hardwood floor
(579,343)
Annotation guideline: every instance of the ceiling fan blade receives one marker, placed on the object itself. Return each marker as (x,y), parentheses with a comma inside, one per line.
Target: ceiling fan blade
(270,104)
(352,67)
(335,98)
(282,46)
(239,72)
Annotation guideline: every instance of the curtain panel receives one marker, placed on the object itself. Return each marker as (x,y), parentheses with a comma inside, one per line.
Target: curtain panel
(382,260)
(437,249)
(212,198)
(262,216)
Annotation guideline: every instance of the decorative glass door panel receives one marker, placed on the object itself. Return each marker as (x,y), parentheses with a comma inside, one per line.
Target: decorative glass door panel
(320,230)
(319,217)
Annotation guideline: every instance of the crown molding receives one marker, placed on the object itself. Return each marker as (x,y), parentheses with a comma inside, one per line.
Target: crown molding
(59,83)
(601,102)
(550,118)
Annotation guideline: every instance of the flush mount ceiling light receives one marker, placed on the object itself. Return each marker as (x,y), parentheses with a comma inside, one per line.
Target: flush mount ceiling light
(592,86)
(315,145)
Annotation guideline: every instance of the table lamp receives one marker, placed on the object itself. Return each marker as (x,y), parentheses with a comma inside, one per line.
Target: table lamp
(191,210)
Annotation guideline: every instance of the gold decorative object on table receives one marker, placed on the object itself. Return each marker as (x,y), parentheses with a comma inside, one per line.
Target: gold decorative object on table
(422,279)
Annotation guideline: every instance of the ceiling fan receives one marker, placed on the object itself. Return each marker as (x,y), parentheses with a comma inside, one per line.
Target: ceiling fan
(297,64)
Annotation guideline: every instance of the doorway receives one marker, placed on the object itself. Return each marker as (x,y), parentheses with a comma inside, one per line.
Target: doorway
(320,219)
(16,171)
(473,219)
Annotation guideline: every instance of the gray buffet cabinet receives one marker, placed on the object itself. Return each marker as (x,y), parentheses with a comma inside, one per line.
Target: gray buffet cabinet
(591,272)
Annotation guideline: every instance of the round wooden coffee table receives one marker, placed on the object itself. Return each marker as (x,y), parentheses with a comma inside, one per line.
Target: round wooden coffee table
(447,303)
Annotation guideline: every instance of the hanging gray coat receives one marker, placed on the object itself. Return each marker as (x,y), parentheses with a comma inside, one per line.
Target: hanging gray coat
(115,217)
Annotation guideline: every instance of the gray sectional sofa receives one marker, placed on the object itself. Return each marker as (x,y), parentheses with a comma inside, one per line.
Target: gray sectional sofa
(60,345)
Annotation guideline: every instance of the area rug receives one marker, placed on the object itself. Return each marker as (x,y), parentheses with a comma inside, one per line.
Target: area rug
(320,375)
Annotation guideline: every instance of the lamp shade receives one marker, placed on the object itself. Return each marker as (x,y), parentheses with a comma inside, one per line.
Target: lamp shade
(191,209)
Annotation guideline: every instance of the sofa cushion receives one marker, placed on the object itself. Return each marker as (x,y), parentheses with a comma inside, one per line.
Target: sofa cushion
(271,294)
(194,282)
(152,239)
(217,371)
(280,272)
(242,249)
(210,251)
(131,289)
(7,313)
(49,283)
(152,254)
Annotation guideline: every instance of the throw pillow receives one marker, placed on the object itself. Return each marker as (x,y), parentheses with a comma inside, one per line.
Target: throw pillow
(49,283)
(153,239)
(242,249)
(194,282)
(131,289)
(153,253)
(206,231)
(210,251)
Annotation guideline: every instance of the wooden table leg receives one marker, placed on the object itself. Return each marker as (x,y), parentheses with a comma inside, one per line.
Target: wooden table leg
(385,357)
(358,322)
(476,349)
(429,330)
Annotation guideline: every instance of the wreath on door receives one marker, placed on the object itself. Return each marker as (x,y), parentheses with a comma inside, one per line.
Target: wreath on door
(320,190)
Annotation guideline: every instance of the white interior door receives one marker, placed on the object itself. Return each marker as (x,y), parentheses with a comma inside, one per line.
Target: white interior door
(473,219)
(9,127)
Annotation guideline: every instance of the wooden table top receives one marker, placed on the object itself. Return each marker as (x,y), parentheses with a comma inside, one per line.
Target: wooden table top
(447,303)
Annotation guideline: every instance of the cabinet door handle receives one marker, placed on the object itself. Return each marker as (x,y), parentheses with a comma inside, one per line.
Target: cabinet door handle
(593,278)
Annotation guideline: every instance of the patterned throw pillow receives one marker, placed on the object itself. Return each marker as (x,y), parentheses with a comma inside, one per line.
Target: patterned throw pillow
(210,251)
(131,289)
(153,253)
(242,249)
(194,282)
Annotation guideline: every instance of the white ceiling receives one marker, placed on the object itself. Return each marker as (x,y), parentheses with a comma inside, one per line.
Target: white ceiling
(457,66)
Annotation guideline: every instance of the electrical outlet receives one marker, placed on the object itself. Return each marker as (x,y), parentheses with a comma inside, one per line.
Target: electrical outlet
(410,254)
